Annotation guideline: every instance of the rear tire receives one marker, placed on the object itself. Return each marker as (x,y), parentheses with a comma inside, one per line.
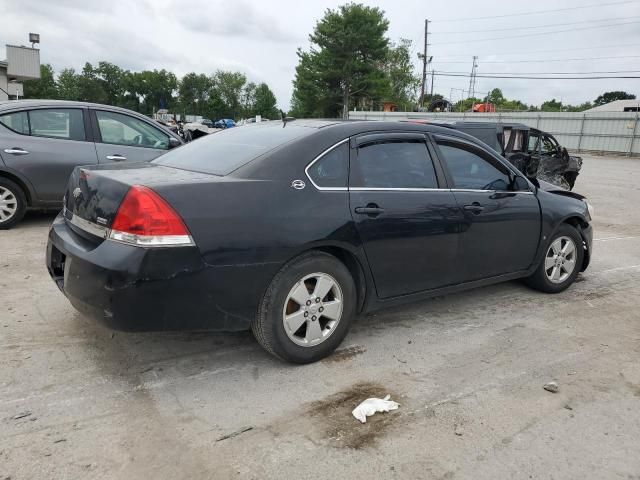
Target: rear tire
(561,263)
(13,203)
(307,310)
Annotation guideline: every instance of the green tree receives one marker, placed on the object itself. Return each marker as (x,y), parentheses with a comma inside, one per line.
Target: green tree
(403,83)
(248,100)
(312,95)
(551,106)
(111,77)
(90,87)
(45,87)
(265,102)
(229,87)
(608,97)
(68,85)
(193,92)
(349,46)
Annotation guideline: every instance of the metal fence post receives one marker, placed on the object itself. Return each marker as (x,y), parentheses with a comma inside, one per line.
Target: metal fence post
(584,116)
(538,121)
(633,136)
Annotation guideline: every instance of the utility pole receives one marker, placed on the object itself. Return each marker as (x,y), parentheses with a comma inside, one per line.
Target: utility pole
(432,82)
(472,78)
(425,60)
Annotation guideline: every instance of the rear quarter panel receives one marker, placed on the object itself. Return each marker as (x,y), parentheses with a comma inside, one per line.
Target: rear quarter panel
(246,230)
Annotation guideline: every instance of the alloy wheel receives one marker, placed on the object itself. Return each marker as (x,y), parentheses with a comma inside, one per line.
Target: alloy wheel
(8,204)
(312,309)
(560,261)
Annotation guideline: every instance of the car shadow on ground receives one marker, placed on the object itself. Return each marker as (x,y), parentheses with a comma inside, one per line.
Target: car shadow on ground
(37,218)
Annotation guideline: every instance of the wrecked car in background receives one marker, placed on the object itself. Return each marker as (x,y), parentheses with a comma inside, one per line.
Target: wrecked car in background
(535,153)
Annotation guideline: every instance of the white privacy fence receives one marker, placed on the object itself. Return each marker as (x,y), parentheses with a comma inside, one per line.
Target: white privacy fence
(602,132)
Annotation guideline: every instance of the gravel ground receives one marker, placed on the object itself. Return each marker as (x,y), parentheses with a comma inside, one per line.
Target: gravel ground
(80,401)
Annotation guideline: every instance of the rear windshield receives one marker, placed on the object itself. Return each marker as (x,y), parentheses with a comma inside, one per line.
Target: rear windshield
(223,152)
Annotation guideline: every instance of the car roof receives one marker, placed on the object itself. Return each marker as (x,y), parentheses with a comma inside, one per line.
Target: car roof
(31,103)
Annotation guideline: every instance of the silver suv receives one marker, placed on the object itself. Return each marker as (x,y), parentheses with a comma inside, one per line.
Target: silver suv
(42,141)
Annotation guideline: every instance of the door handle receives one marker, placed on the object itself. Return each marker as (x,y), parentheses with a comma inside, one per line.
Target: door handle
(371,209)
(117,157)
(16,151)
(475,207)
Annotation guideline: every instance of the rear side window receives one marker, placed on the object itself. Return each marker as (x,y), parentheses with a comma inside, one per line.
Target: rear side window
(64,123)
(223,152)
(394,164)
(67,123)
(332,169)
(16,121)
(471,171)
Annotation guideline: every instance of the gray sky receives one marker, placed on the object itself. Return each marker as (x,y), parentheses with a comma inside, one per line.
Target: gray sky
(260,38)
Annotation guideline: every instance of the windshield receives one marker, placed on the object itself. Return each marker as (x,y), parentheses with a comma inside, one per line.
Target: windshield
(223,152)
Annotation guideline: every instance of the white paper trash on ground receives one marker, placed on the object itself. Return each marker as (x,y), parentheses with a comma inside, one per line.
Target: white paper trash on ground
(373,405)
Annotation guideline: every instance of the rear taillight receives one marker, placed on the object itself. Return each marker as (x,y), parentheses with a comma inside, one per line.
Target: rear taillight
(145,219)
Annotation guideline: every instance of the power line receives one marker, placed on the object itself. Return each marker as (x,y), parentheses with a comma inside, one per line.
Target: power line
(596,5)
(447,32)
(546,60)
(550,50)
(538,34)
(548,73)
(535,78)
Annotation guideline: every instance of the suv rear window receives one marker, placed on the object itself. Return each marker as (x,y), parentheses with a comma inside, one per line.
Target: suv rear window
(223,152)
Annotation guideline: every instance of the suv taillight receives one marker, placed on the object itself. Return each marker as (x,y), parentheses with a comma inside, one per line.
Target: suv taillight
(146,219)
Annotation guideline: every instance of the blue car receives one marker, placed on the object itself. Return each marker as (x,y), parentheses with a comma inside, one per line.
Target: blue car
(225,123)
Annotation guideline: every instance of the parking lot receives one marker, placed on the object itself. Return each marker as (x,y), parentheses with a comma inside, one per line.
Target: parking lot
(80,401)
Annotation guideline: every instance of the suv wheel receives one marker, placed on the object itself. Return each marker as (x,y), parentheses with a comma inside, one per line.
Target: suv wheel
(13,203)
(307,309)
(561,264)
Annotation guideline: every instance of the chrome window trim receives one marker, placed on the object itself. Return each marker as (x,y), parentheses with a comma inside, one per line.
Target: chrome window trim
(326,189)
(397,189)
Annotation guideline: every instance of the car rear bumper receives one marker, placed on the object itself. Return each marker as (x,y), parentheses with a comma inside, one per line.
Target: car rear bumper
(140,289)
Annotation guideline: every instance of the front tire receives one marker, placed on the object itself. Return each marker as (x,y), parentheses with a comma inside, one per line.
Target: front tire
(307,310)
(561,263)
(13,203)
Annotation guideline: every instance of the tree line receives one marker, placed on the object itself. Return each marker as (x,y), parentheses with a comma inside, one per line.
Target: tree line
(352,63)
(225,94)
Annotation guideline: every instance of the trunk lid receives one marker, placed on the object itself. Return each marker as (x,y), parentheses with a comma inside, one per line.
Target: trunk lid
(94,193)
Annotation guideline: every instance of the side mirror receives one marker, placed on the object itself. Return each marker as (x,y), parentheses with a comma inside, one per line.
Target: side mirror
(174,142)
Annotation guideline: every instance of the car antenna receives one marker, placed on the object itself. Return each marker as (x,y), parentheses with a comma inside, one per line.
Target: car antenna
(285,119)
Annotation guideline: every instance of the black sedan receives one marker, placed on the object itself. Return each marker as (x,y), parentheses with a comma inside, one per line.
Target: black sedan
(292,229)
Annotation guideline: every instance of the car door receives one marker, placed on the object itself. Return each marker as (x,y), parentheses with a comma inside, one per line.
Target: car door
(502,222)
(406,217)
(121,137)
(45,145)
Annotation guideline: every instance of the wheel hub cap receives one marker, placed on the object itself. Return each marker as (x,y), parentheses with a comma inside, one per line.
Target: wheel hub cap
(560,261)
(312,310)
(8,204)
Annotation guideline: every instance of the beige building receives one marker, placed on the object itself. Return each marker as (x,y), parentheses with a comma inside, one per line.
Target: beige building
(22,63)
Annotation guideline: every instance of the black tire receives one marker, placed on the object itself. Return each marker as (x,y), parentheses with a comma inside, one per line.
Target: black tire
(540,281)
(21,203)
(268,326)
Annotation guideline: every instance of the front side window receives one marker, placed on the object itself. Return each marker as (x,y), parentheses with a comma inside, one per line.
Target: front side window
(470,171)
(332,169)
(120,129)
(16,121)
(394,164)
(65,123)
